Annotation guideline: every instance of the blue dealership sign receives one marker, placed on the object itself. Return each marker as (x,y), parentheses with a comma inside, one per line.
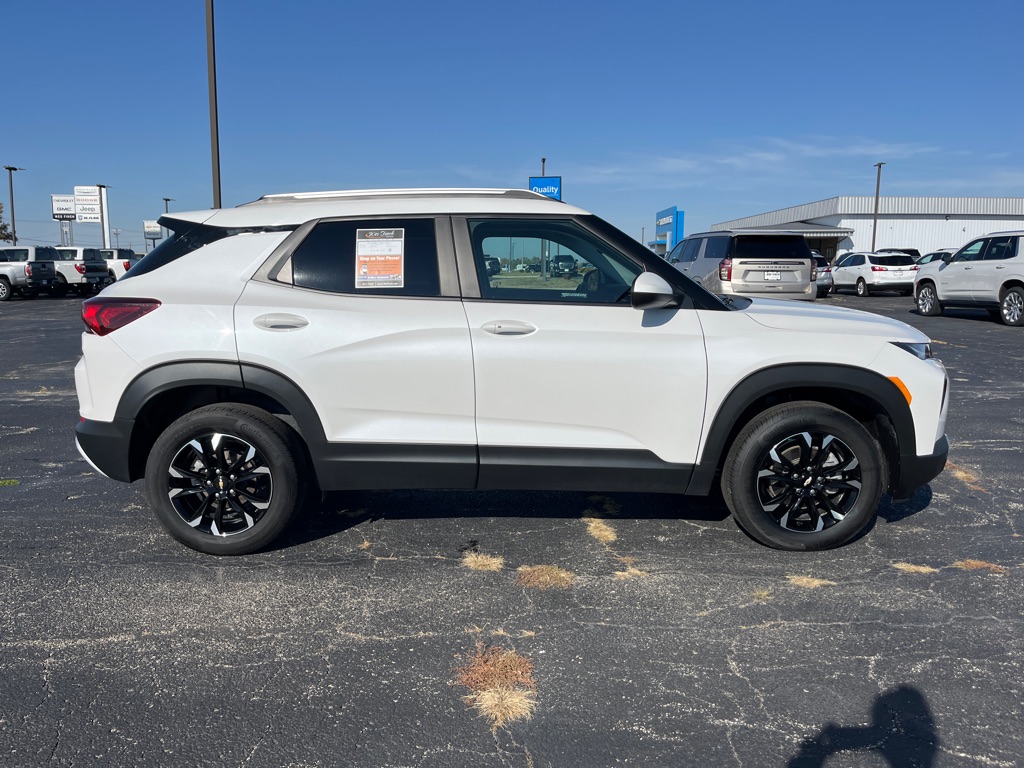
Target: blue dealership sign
(549,186)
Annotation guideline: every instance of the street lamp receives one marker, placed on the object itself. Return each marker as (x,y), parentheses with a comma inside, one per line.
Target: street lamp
(878,186)
(10,185)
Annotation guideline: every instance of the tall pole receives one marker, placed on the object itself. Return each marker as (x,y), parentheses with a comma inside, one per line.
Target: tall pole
(543,161)
(104,216)
(878,187)
(10,187)
(166,201)
(211,66)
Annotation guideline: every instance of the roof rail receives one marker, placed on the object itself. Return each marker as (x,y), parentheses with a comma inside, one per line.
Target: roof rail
(366,194)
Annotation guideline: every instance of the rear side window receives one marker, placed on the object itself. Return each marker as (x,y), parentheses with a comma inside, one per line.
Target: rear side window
(14,254)
(717,248)
(393,257)
(760,247)
(185,237)
(1000,248)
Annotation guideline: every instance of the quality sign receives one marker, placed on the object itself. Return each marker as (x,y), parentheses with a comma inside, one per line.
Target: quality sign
(549,186)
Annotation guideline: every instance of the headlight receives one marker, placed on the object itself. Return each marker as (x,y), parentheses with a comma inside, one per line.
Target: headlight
(922,351)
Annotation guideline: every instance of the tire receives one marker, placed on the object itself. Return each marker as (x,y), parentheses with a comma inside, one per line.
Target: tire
(205,505)
(1011,307)
(862,288)
(928,300)
(60,289)
(778,493)
(5,289)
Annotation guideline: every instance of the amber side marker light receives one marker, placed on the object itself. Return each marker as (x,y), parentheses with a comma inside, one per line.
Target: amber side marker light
(901,387)
(102,316)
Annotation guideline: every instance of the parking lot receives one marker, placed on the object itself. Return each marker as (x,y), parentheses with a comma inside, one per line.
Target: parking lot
(675,639)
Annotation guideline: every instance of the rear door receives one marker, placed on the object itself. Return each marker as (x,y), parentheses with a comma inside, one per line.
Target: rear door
(362,320)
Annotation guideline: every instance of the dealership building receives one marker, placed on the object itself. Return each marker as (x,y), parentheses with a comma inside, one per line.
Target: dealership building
(841,224)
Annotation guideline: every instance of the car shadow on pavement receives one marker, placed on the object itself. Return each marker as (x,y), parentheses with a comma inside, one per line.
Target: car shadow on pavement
(902,731)
(893,511)
(341,511)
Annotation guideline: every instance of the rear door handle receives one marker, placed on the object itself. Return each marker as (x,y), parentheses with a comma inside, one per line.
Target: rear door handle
(509,328)
(280,321)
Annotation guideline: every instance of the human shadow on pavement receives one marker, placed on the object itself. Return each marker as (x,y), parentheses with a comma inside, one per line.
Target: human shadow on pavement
(902,731)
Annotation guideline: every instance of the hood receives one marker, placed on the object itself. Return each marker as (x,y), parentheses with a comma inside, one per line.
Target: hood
(800,316)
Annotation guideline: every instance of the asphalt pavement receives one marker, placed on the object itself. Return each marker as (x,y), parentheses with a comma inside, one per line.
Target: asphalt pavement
(677,641)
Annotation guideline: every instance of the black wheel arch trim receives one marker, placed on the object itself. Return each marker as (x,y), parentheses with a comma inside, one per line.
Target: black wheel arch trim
(837,380)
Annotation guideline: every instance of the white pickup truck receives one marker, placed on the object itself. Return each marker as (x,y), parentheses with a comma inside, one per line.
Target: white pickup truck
(80,269)
(119,261)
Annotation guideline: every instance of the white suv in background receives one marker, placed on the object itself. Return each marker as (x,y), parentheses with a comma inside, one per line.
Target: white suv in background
(867,272)
(987,273)
(358,340)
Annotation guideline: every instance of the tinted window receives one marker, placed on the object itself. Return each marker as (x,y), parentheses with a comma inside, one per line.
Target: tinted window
(15,254)
(717,248)
(392,257)
(690,250)
(770,247)
(185,237)
(894,260)
(577,266)
(1001,248)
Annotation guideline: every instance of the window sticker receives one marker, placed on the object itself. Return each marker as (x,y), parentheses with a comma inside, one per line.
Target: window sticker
(380,258)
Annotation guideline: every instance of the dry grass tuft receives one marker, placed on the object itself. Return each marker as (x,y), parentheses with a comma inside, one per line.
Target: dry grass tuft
(600,530)
(809,582)
(501,685)
(503,705)
(965,476)
(911,568)
(632,572)
(478,561)
(979,565)
(762,595)
(544,577)
(365,545)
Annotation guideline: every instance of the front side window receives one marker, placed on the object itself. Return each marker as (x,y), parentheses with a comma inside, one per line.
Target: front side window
(575,265)
(390,257)
(1000,248)
(970,252)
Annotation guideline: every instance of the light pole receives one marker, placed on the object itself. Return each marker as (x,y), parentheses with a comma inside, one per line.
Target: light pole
(211,66)
(543,162)
(10,186)
(166,201)
(878,187)
(104,216)
(117,237)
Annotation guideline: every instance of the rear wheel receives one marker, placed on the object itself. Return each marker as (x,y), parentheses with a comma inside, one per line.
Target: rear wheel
(1011,306)
(5,289)
(927,300)
(804,476)
(59,289)
(225,479)
(28,293)
(862,288)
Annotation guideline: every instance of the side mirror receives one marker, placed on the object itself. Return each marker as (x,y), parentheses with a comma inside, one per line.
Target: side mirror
(651,291)
(948,257)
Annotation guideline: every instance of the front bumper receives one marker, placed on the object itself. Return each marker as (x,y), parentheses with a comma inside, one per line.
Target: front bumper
(915,470)
(105,445)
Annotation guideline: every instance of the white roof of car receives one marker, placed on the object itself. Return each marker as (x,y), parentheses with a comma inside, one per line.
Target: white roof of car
(299,207)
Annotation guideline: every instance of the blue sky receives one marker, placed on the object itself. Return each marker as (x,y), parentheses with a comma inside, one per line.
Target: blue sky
(724,109)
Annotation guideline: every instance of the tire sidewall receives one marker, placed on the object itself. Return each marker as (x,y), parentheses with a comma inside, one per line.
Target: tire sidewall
(933,308)
(5,289)
(1002,307)
(267,436)
(751,447)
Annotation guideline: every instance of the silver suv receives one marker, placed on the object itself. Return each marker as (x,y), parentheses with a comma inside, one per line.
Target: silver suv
(987,273)
(768,264)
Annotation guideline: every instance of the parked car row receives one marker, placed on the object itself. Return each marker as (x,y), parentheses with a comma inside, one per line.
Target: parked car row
(26,270)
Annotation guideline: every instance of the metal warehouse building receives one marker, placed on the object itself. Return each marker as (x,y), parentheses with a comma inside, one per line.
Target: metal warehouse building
(842,224)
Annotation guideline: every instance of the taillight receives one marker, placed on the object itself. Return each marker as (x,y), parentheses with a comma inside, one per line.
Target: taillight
(102,316)
(914,268)
(827,269)
(879,269)
(814,273)
(127,265)
(725,270)
(80,268)
(28,269)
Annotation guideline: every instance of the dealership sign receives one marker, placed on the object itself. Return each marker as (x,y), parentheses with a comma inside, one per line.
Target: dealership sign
(87,205)
(549,186)
(63,207)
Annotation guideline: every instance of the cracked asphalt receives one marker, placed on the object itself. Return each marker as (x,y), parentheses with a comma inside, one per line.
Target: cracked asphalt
(680,642)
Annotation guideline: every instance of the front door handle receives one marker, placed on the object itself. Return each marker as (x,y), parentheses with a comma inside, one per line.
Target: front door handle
(509,328)
(280,321)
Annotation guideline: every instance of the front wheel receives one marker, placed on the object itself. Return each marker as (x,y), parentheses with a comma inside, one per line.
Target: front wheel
(1011,306)
(5,289)
(225,479)
(927,300)
(862,288)
(804,476)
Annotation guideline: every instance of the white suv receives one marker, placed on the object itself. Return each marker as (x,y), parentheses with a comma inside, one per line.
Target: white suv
(987,273)
(357,340)
(867,272)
